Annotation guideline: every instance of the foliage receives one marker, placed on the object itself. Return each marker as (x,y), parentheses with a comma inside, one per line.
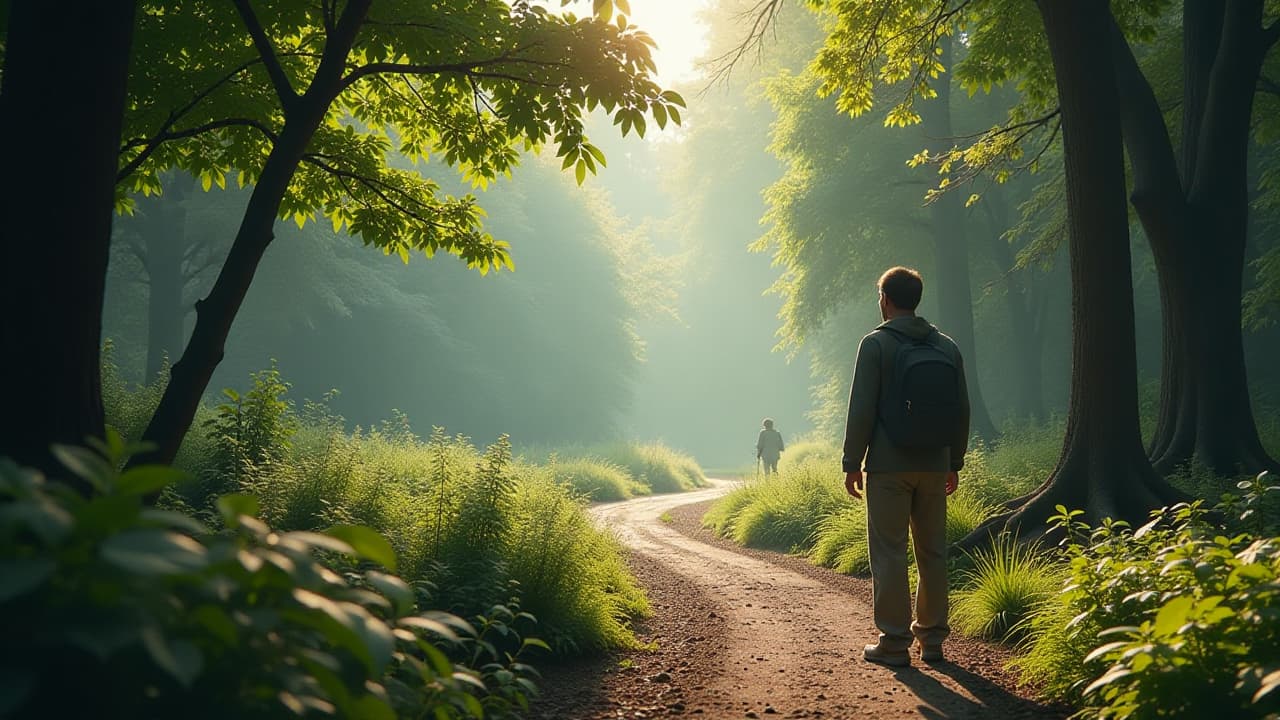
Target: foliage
(149,613)
(660,468)
(1008,583)
(573,574)
(842,542)
(597,480)
(466,84)
(464,523)
(1185,612)
(251,430)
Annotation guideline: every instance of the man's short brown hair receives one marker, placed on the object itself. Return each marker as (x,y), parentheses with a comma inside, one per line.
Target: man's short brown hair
(903,286)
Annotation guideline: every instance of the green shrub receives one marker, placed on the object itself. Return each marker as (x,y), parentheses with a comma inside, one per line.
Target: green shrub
(596,480)
(1027,451)
(720,516)
(781,511)
(809,450)
(660,468)
(965,512)
(1185,613)
(1009,581)
(143,612)
(454,517)
(572,573)
(842,541)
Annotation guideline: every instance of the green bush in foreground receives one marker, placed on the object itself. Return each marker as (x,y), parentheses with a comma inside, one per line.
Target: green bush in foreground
(141,612)
(1188,618)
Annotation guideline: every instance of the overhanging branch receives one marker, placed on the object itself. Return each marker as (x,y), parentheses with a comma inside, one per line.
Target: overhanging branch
(288,97)
(149,145)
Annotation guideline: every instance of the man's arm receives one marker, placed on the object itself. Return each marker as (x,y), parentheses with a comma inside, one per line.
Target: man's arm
(864,396)
(960,443)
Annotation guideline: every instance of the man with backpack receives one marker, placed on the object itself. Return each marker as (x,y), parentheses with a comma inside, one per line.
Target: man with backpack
(769,447)
(909,418)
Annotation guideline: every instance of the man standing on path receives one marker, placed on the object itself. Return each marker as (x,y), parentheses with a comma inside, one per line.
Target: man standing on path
(909,417)
(769,447)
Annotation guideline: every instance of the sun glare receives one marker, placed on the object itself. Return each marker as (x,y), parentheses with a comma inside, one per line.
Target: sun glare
(679,32)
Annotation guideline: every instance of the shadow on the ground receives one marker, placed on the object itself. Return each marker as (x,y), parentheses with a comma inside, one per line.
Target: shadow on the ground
(939,702)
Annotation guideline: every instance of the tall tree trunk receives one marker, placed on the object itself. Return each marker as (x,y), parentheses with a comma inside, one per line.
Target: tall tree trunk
(1103,469)
(215,314)
(951,255)
(57,233)
(1218,197)
(166,245)
(1197,223)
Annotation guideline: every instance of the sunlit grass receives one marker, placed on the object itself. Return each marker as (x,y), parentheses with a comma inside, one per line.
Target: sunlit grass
(1007,584)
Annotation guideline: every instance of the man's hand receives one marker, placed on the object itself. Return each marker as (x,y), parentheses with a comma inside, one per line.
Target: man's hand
(953,482)
(853,483)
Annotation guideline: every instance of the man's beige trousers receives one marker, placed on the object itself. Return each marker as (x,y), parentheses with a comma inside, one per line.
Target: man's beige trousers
(896,502)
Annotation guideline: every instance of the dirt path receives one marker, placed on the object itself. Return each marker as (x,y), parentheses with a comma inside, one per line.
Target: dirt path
(751,634)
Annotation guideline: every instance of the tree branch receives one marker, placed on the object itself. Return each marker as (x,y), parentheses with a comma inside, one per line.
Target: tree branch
(467,68)
(151,144)
(383,190)
(288,97)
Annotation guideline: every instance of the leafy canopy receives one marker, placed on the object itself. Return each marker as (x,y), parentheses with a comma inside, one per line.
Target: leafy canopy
(387,86)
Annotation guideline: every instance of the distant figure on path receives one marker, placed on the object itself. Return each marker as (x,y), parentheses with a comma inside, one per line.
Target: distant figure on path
(769,447)
(909,418)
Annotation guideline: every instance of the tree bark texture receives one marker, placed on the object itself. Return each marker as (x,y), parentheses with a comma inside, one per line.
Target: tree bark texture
(1196,219)
(951,255)
(1103,469)
(57,228)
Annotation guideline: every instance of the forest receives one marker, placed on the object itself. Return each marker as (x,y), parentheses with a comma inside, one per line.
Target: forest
(378,358)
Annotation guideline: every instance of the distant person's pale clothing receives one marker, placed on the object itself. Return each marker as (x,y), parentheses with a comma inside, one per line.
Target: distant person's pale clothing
(769,448)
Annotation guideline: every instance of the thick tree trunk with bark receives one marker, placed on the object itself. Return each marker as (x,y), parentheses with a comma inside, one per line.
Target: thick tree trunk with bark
(165,244)
(1196,219)
(57,228)
(951,256)
(1103,469)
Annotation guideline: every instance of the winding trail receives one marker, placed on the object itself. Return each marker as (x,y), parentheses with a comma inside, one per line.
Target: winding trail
(791,644)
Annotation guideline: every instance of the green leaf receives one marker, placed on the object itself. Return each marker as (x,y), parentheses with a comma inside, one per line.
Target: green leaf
(234,505)
(580,172)
(430,625)
(1173,616)
(22,575)
(85,464)
(218,623)
(146,479)
(174,519)
(370,707)
(152,551)
(395,589)
(374,642)
(367,543)
(179,658)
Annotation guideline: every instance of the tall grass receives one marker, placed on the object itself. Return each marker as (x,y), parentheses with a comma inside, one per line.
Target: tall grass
(1008,583)
(660,468)
(597,480)
(470,528)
